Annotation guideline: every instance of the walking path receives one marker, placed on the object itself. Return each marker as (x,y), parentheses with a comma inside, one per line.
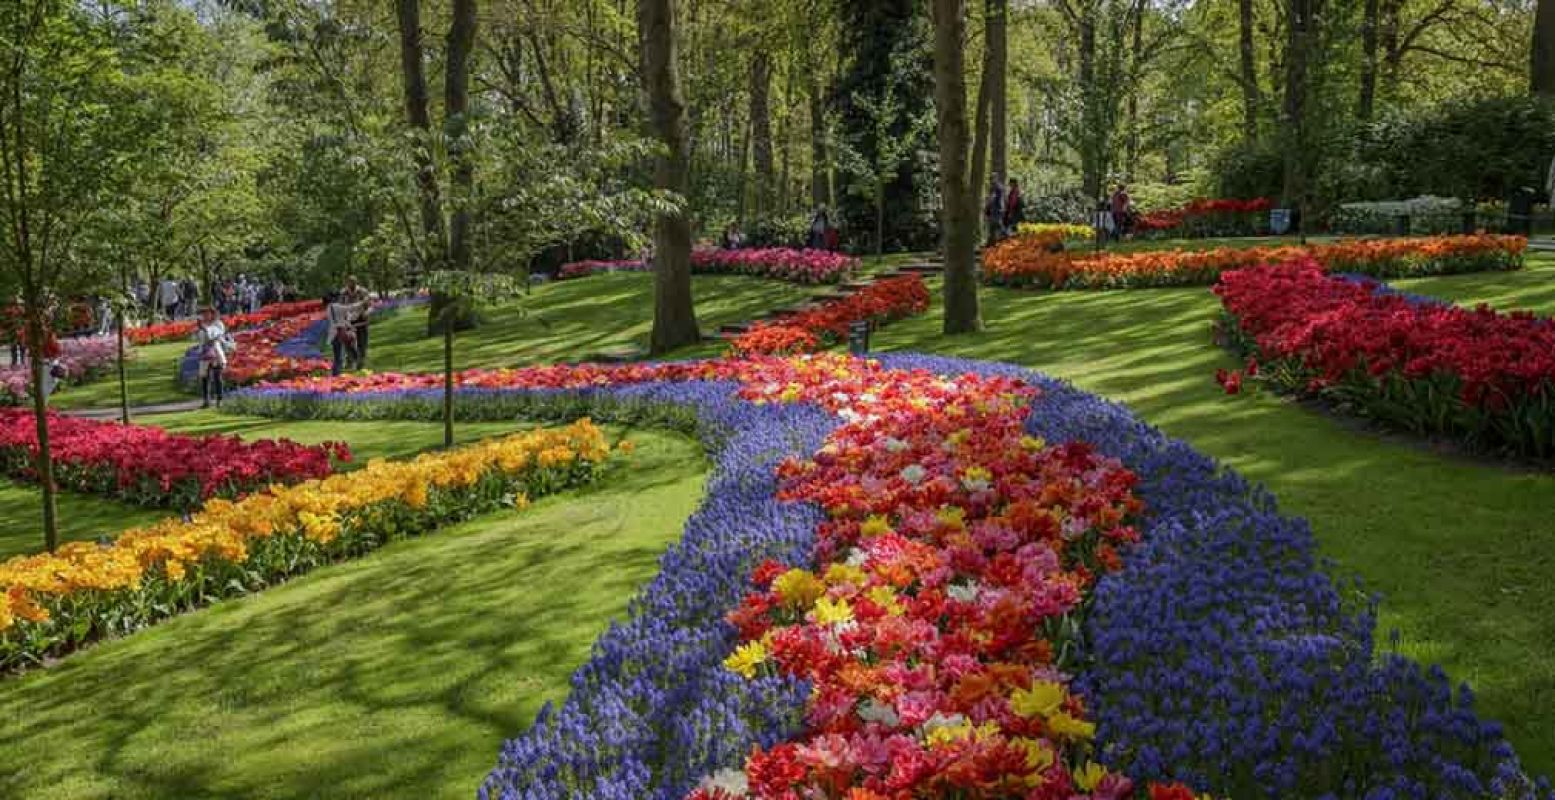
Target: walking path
(135,411)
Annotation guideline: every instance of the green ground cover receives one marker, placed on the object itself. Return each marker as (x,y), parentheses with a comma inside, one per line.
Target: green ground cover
(151,377)
(394,676)
(81,518)
(1461,548)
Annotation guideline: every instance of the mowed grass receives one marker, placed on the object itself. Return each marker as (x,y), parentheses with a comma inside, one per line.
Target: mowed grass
(151,377)
(570,320)
(1461,549)
(394,676)
(81,518)
(1530,289)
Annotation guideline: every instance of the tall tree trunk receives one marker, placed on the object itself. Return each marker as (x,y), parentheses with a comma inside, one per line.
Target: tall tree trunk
(1542,61)
(44,462)
(124,384)
(998,61)
(978,179)
(413,71)
(674,315)
(1094,136)
(448,377)
(959,199)
(1302,19)
(1367,101)
(761,130)
(1249,72)
(820,175)
(1136,65)
(456,108)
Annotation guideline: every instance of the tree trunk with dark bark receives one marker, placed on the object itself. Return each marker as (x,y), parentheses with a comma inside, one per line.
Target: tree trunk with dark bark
(674,315)
(1367,101)
(998,61)
(1249,71)
(1302,21)
(413,71)
(44,461)
(820,174)
(1094,136)
(959,200)
(456,113)
(1542,59)
(761,130)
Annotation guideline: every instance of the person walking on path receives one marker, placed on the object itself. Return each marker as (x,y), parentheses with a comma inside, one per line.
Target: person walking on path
(342,333)
(356,295)
(1122,212)
(1014,209)
(993,212)
(168,298)
(210,335)
(819,225)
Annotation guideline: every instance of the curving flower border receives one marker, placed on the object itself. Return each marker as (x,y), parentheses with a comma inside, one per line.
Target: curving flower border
(1222,655)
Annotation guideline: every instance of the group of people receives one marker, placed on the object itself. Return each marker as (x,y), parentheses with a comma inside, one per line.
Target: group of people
(1117,215)
(821,235)
(348,311)
(1003,210)
(179,298)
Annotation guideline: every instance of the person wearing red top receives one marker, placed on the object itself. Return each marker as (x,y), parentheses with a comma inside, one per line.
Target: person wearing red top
(1122,211)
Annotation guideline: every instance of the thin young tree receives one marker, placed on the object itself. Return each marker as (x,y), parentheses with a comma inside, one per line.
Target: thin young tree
(1542,57)
(674,314)
(958,216)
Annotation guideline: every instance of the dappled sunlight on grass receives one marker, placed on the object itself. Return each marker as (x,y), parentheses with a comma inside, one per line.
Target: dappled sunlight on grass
(1532,289)
(81,518)
(1460,547)
(397,675)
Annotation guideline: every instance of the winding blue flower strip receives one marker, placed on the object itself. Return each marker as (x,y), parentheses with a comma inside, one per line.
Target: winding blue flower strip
(1223,655)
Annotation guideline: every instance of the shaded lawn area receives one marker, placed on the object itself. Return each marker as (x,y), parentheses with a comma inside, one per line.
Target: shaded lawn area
(1530,289)
(570,320)
(81,518)
(394,676)
(151,376)
(1461,550)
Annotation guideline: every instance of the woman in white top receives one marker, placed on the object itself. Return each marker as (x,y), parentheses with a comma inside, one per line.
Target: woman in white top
(342,332)
(211,337)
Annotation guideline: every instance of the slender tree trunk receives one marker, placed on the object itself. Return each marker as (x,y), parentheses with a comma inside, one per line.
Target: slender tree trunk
(998,62)
(761,130)
(1136,64)
(1368,90)
(1542,60)
(413,69)
(820,180)
(674,314)
(448,381)
(456,108)
(124,386)
(1094,136)
(978,179)
(959,200)
(1302,21)
(44,462)
(1249,72)
(880,182)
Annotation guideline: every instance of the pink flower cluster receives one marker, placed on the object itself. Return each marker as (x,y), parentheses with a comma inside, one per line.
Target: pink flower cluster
(82,358)
(778,263)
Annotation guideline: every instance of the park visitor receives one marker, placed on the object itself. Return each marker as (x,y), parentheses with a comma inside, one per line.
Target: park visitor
(342,332)
(819,225)
(1122,212)
(354,294)
(1014,209)
(168,297)
(993,212)
(214,345)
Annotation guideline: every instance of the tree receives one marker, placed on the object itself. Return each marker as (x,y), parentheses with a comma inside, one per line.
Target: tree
(65,136)
(674,315)
(958,195)
(456,113)
(417,113)
(1542,66)
(997,66)
(1249,70)
(887,147)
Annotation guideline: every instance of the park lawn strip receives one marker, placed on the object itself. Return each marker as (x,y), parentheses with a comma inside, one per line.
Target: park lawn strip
(368,440)
(151,375)
(571,321)
(1459,548)
(1530,289)
(391,676)
(81,518)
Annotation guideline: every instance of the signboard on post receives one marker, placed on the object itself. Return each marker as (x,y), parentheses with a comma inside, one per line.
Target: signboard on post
(858,337)
(1279,221)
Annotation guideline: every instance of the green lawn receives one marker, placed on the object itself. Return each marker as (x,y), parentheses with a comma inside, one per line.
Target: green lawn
(151,377)
(1532,289)
(571,320)
(1461,549)
(81,518)
(394,676)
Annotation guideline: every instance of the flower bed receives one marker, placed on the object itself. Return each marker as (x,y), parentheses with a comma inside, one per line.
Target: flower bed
(55,602)
(148,466)
(881,302)
(1049,235)
(778,263)
(83,358)
(183,329)
(1429,368)
(1208,217)
(1022,264)
(982,506)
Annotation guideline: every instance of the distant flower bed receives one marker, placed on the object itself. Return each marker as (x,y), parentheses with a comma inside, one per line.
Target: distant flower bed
(1205,217)
(183,329)
(778,263)
(82,359)
(148,466)
(928,577)
(1019,263)
(1051,234)
(1424,367)
(808,331)
(52,603)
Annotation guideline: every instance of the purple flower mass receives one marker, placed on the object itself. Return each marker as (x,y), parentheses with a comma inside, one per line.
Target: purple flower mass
(1223,655)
